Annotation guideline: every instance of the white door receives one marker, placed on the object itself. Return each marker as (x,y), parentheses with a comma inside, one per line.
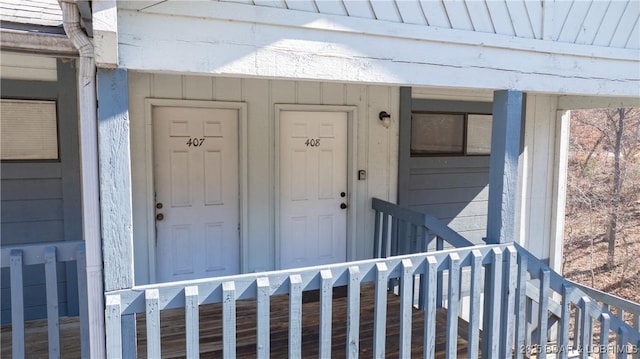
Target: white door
(197,192)
(313,188)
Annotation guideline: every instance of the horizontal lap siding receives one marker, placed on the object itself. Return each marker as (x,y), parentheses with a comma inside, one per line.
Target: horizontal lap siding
(453,189)
(457,196)
(39,201)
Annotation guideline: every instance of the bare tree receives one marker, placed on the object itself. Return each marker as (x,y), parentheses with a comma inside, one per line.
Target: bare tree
(619,135)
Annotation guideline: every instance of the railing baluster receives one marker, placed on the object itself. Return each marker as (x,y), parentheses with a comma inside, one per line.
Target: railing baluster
(262,317)
(636,325)
(576,329)
(377,253)
(493,301)
(543,312)
(17,304)
(229,320)
(394,236)
(51,280)
(431,270)
(192,321)
(508,313)
(521,301)
(584,325)
(295,316)
(563,342)
(380,311)
(353,313)
(453,304)
(406,307)
(474,305)
(439,289)
(622,343)
(152,301)
(402,246)
(326,309)
(83,301)
(113,326)
(413,239)
(384,242)
(604,335)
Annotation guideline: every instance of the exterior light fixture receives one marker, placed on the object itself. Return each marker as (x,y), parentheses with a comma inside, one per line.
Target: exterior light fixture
(385,118)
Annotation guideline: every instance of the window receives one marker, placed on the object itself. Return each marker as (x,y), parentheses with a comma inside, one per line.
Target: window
(451,134)
(28,130)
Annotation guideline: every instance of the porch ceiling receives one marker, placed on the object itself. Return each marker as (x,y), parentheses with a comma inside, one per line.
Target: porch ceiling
(233,39)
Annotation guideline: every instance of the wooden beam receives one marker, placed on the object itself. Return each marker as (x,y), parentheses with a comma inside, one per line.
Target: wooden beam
(43,43)
(390,53)
(503,169)
(105,33)
(115,178)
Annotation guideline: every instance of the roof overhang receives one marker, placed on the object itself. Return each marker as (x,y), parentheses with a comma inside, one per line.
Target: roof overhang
(231,39)
(36,42)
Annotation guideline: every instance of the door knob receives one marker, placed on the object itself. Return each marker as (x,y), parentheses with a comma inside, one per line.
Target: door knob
(343,205)
(159,217)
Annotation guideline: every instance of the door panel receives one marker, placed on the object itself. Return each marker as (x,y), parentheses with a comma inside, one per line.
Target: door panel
(313,174)
(197,192)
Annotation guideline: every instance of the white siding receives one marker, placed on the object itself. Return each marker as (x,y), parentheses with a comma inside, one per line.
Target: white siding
(376,150)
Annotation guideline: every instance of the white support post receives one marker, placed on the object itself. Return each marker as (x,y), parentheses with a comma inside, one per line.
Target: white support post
(115,178)
(503,169)
(262,317)
(115,190)
(326,302)
(353,313)
(380,311)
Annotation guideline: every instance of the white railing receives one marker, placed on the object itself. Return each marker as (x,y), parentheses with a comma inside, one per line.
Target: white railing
(579,308)
(49,254)
(502,279)
(190,295)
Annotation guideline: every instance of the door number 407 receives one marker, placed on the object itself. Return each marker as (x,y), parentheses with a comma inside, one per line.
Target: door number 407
(312,142)
(195,142)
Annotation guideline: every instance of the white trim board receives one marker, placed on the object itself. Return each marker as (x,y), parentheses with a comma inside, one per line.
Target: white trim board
(243,170)
(352,182)
(293,51)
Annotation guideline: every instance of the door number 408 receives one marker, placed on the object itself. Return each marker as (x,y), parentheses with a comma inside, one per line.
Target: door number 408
(195,142)
(312,142)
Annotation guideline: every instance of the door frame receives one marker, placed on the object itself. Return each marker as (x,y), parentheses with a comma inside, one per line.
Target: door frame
(352,137)
(241,107)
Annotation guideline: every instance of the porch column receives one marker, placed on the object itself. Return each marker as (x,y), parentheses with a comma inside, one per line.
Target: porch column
(115,190)
(503,171)
(115,178)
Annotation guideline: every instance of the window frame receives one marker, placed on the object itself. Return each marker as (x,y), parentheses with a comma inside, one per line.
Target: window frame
(464,134)
(57,134)
(33,90)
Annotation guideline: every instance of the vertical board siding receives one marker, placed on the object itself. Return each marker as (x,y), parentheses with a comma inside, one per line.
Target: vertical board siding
(376,153)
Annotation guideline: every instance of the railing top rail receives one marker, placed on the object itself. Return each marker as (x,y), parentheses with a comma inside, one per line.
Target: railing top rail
(34,253)
(558,282)
(210,289)
(609,299)
(422,219)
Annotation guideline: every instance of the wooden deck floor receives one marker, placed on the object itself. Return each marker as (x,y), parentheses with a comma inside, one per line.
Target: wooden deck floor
(172,330)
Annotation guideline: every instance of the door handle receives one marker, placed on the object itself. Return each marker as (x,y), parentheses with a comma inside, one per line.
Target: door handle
(343,205)
(159,217)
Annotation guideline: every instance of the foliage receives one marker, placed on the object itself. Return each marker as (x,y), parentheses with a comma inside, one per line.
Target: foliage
(602,231)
